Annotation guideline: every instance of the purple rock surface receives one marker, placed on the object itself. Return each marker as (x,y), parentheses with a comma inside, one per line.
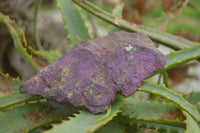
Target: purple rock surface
(94,71)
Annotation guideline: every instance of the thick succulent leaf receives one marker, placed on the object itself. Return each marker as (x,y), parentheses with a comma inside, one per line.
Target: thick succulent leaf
(16,98)
(36,10)
(18,38)
(58,114)
(163,125)
(172,96)
(182,56)
(151,114)
(135,108)
(111,127)
(193,98)
(20,119)
(29,116)
(48,56)
(157,36)
(86,122)
(191,125)
(73,22)
(176,58)
(117,12)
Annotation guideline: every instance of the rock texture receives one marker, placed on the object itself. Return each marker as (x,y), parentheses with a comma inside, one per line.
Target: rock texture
(94,71)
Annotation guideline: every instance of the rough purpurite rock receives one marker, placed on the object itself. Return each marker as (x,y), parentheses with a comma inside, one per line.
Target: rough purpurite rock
(94,71)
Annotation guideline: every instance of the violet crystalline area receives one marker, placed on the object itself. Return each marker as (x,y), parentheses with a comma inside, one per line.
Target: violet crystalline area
(94,71)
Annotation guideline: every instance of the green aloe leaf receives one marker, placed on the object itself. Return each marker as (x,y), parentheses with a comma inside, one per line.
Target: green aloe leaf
(86,122)
(21,118)
(193,98)
(151,114)
(37,7)
(27,117)
(73,22)
(176,58)
(163,125)
(182,56)
(172,96)
(192,125)
(16,98)
(48,56)
(135,108)
(18,38)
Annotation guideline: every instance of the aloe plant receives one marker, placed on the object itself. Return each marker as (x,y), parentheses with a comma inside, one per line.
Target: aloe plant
(172,112)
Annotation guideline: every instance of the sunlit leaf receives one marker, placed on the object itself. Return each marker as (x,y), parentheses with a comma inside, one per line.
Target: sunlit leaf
(74,24)
(18,38)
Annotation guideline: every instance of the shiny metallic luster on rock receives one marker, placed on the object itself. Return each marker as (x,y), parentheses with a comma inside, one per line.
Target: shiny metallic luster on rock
(94,71)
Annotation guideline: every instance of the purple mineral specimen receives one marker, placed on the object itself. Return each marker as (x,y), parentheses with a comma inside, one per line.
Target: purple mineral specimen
(94,71)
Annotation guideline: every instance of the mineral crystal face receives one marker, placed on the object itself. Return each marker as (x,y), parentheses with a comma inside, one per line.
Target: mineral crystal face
(94,71)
